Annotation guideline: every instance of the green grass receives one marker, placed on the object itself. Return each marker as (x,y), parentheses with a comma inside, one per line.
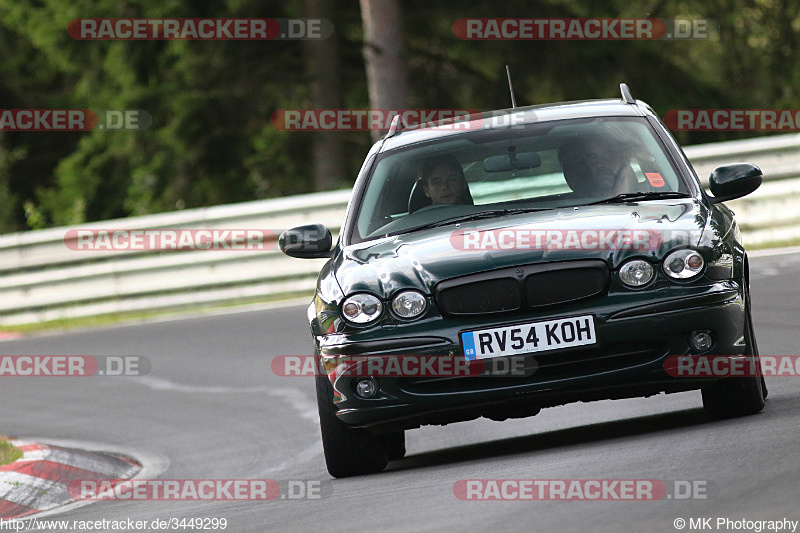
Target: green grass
(772,244)
(141,316)
(8,453)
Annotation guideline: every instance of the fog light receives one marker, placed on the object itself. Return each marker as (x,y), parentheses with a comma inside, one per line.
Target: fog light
(367,388)
(701,340)
(409,304)
(636,273)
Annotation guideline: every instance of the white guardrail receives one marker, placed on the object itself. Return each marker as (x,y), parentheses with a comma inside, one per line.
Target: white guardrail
(42,279)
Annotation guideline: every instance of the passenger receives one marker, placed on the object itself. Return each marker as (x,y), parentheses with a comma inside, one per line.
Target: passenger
(596,166)
(443,181)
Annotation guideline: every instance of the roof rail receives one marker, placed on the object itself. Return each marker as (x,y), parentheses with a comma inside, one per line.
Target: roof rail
(626,94)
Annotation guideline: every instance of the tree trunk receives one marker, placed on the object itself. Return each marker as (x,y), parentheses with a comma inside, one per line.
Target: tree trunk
(321,57)
(383,54)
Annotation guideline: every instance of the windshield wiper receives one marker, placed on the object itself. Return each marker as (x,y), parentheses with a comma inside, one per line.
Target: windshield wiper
(528,209)
(464,218)
(633,196)
(481,214)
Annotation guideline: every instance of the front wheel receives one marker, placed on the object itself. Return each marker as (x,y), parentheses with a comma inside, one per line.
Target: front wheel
(740,396)
(348,451)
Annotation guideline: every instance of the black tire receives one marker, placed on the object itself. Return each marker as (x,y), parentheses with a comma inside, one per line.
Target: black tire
(396,445)
(348,451)
(732,397)
(752,345)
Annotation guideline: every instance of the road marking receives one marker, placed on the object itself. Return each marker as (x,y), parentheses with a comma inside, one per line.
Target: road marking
(305,407)
(297,459)
(156,383)
(294,397)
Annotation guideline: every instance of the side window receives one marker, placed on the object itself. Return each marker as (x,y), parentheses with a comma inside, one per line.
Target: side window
(392,203)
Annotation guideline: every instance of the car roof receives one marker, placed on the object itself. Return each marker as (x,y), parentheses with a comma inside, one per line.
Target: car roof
(503,118)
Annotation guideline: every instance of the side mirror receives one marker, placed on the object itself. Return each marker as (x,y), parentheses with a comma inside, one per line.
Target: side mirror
(306,242)
(735,180)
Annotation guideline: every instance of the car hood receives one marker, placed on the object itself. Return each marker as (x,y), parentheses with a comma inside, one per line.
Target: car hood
(422,258)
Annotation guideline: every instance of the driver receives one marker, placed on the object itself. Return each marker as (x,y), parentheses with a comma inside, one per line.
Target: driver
(595,165)
(443,181)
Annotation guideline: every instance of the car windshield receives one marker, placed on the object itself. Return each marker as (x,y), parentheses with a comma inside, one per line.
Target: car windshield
(495,172)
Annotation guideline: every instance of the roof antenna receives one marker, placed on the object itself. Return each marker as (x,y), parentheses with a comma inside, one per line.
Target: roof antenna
(511,88)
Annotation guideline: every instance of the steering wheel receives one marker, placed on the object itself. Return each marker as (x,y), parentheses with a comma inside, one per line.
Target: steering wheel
(431,206)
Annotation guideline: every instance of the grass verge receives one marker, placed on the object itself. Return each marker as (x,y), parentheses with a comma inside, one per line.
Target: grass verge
(143,316)
(8,453)
(772,244)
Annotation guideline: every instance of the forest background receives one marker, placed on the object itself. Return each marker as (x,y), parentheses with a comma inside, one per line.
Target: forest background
(211,140)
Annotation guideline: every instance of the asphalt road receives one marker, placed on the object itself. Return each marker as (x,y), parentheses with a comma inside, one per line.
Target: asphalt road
(212,408)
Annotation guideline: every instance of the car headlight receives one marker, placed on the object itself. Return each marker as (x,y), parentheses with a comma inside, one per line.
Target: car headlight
(361,308)
(683,264)
(636,273)
(409,304)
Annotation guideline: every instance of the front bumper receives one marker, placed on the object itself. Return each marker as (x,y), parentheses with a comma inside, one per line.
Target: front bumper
(635,337)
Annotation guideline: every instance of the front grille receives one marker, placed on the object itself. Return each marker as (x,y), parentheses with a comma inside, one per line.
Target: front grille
(566,285)
(522,287)
(501,294)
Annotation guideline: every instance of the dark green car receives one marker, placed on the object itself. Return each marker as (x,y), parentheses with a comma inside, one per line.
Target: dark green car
(523,259)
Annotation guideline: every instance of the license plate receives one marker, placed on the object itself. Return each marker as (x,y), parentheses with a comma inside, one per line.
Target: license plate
(526,338)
